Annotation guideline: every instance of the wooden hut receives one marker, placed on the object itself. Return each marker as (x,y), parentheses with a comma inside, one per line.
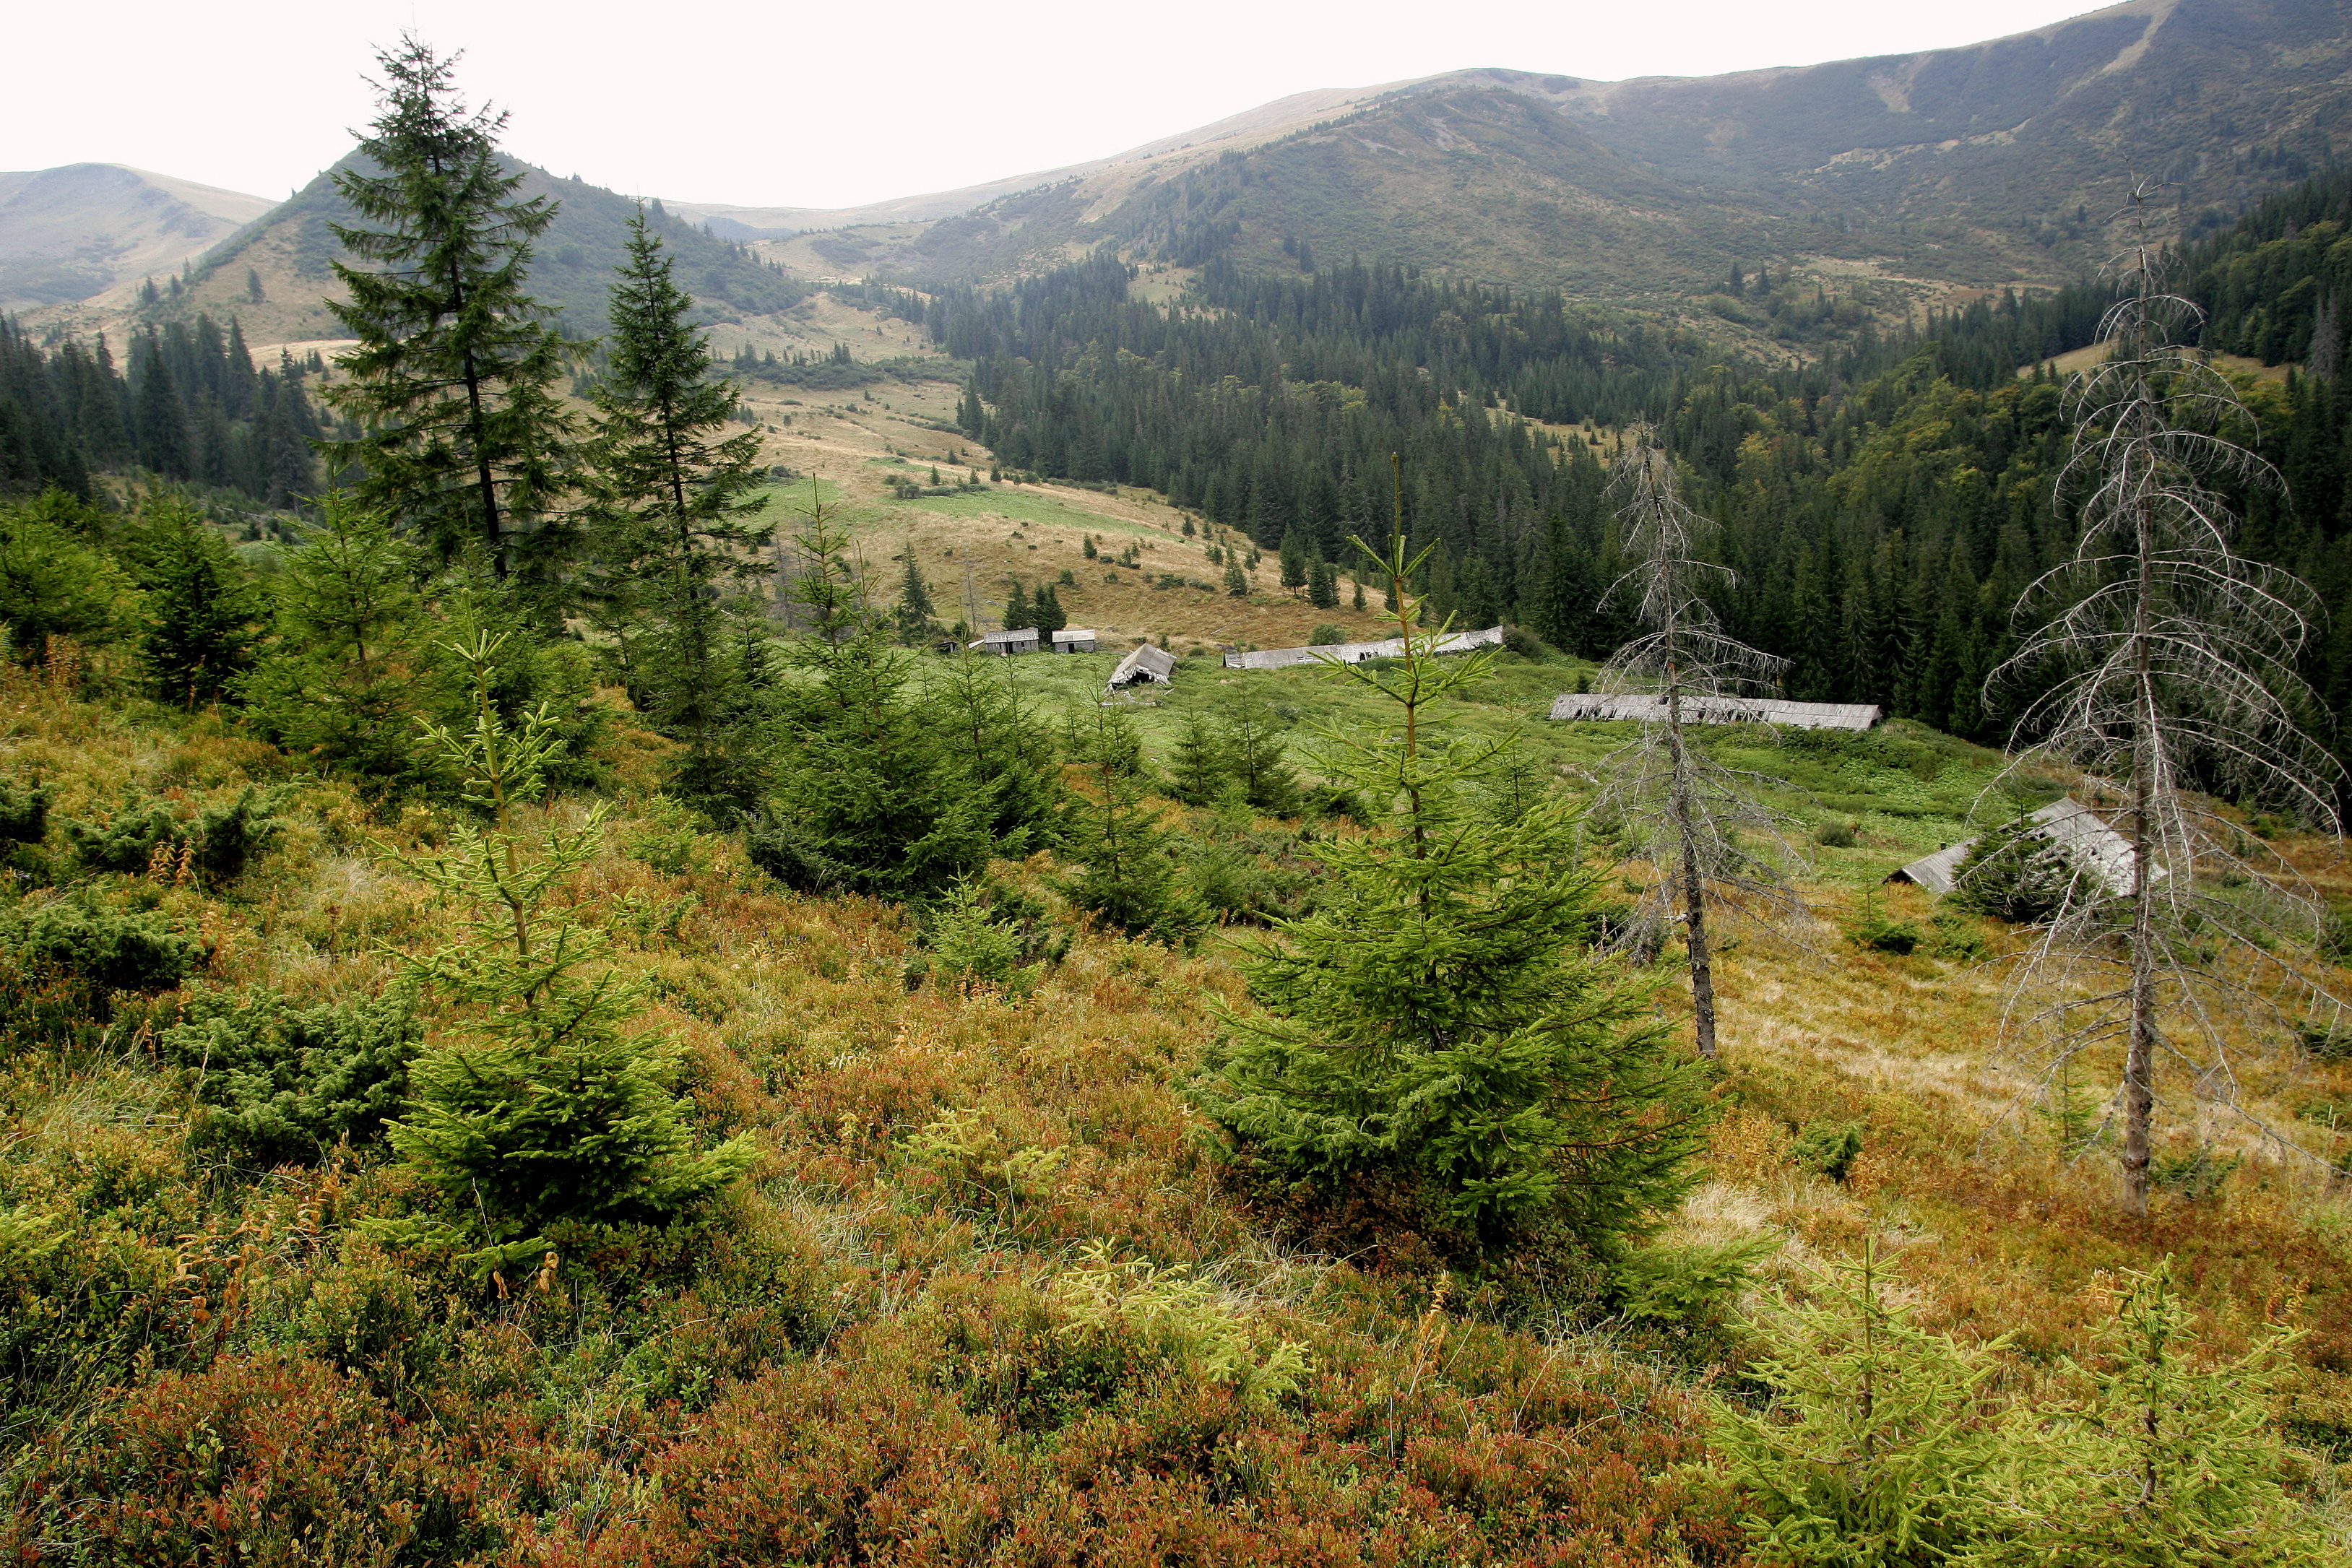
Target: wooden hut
(2075,830)
(1355,653)
(1074,640)
(1591,706)
(1003,644)
(1145,664)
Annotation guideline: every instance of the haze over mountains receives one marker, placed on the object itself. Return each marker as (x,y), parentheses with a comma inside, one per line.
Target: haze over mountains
(1996,163)
(1984,164)
(70,233)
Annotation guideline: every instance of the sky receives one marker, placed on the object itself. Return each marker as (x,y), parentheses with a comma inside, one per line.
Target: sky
(836,104)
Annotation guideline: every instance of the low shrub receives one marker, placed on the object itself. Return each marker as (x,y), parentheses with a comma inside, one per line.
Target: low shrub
(2325,1040)
(225,841)
(271,1461)
(25,812)
(1872,929)
(214,849)
(289,1083)
(1826,1150)
(984,933)
(111,949)
(126,843)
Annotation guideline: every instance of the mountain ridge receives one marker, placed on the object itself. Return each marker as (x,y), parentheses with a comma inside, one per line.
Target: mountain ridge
(74,232)
(1979,166)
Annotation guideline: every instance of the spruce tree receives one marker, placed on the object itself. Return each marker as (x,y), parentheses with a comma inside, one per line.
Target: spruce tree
(1323,586)
(1199,771)
(1294,559)
(1254,755)
(916,612)
(1437,1034)
(534,1108)
(1045,614)
(203,613)
(340,680)
(1018,616)
(868,798)
(674,503)
(463,437)
(1006,758)
(1127,873)
(54,586)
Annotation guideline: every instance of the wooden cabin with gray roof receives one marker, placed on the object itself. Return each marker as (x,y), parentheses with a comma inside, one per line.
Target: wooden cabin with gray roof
(1145,664)
(1355,653)
(2089,844)
(1590,707)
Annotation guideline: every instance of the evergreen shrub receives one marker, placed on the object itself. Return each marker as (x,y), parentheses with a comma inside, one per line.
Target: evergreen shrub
(1437,1030)
(288,1084)
(110,949)
(2014,874)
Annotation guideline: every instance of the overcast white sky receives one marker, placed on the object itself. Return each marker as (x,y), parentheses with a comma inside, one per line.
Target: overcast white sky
(837,103)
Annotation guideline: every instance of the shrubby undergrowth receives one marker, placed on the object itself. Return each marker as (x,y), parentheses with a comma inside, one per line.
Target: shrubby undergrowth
(487,1165)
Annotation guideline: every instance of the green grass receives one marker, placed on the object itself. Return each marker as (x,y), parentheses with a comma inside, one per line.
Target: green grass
(778,502)
(1909,789)
(1023,506)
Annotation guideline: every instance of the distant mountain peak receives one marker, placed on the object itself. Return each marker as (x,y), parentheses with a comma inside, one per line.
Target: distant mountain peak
(74,232)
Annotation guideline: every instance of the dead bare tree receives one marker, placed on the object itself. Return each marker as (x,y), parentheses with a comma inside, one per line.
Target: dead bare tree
(2165,670)
(1681,814)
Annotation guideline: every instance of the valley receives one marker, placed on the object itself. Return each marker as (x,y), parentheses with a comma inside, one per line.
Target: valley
(553,1010)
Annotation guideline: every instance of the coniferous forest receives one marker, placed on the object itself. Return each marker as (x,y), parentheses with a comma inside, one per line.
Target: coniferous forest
(187,405)
(555,1009)
(1883,507)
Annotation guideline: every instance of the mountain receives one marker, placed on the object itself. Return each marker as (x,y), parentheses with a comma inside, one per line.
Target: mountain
(1997,163)
(1247,129)
(275,274)
(71,233)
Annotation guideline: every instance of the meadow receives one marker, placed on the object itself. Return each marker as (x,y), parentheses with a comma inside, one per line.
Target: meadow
(991,1292)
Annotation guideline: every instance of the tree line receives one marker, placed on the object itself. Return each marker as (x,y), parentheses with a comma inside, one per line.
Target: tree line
(1884,506)
(190,406)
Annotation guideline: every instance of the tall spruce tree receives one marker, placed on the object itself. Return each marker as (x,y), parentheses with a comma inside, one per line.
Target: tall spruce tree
(463,437)
(674,503)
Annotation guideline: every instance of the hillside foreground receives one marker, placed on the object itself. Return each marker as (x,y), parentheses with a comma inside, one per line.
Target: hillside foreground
(989,1294)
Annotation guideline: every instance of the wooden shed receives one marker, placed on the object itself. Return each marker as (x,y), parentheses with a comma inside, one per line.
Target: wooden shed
(1074,640)
(2075,830)
(1355,653)
(1146,663)
(1004,644)
(1642,708)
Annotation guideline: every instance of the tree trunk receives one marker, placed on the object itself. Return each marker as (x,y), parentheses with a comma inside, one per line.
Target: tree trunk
(2140,1055)
(1702,967)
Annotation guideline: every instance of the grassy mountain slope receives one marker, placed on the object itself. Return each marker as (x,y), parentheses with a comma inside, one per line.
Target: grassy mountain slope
(71,233)
(289,250)
(1979,166)
(989,1295)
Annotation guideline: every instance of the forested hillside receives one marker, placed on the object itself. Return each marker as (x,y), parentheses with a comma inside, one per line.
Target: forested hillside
(190,406)
(554,1014)
(1884,506)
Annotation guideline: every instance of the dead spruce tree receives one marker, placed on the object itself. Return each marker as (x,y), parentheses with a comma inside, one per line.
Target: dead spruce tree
(2163,667)
(1679,814)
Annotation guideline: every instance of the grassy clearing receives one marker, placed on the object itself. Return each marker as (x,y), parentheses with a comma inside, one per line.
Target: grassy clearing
(1907,790)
